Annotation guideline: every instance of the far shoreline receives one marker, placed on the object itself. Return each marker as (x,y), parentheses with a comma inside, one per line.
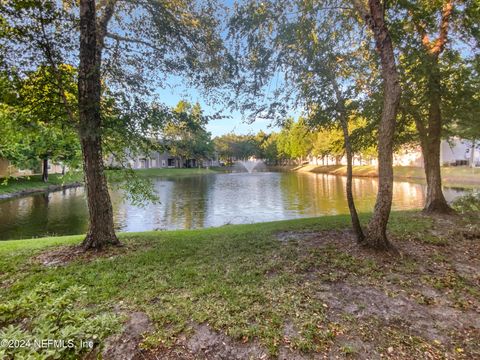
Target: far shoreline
(451,176)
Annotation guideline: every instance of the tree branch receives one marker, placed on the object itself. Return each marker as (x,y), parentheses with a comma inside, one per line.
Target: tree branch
(135,41)
(362,9)
(436,47)
(443,36)
(50,58)
(103,21)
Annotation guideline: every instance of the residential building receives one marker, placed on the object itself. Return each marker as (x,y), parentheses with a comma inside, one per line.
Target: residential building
(453,152)
(166,160)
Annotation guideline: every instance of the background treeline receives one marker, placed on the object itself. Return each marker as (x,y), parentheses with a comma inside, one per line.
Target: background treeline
(294,143)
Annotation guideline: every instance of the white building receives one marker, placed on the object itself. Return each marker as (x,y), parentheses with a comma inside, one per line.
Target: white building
(166,160)
(459,152)
(453,152)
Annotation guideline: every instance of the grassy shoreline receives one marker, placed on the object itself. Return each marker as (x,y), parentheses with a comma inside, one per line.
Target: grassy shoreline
(25,185)
(451,176)
(34,183)
(276,289)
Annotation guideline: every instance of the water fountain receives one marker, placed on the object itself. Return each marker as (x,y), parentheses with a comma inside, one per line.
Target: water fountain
(251,164)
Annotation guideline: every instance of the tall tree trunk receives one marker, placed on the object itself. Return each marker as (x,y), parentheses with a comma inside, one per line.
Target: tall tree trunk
(376,236)
(357,227)
(45,169)
(101,228)
(342,113)
(435,201)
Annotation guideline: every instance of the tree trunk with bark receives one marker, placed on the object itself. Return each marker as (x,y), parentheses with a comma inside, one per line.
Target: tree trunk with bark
(376,236)
(357,227)
(45,169)
(342,113)
(431,141)
(431,132)
(101,231)
(435,201)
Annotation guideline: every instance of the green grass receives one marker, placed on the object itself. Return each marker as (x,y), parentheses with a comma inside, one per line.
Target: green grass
(34,182)
(213,274)
(240,279)
(220,275)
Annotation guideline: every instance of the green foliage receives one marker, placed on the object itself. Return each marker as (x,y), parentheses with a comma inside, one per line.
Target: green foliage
(236,147)
(433,69)
(49,312)
(464,99)
(185,135)
(35,123)
(468,203)
(328,143)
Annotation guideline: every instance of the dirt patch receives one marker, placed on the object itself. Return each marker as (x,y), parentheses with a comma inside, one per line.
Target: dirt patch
(424,303)
(286,236)
(433,323)
(125,345)
(214,345)
(63,255)
(206,343)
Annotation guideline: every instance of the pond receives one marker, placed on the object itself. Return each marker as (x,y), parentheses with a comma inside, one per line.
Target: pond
(188,202)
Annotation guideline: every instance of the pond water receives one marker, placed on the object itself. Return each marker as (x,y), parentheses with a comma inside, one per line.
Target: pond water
(205,200)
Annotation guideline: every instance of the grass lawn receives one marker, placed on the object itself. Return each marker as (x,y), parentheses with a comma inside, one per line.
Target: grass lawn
(284,289)
(451,176)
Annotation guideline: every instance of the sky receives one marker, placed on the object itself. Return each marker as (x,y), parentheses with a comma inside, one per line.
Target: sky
(233,121)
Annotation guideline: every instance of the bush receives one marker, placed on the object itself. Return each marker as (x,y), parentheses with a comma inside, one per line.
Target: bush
(49,313)
(467,203)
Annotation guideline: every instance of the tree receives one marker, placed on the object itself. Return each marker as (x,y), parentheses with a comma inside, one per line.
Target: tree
(466,105)
(300,140)
(430,35)
(374,17)
(232,147)
(269,148)
(101,229)
(328,142)
(186,136)
(429,126)
(161,38)
(305,43)
(37,125)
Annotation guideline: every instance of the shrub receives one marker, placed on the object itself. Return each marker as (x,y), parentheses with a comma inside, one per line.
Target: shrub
(50,313)
(467,203)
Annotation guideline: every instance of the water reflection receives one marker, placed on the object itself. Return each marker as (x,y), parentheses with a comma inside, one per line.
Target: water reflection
(202,201)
